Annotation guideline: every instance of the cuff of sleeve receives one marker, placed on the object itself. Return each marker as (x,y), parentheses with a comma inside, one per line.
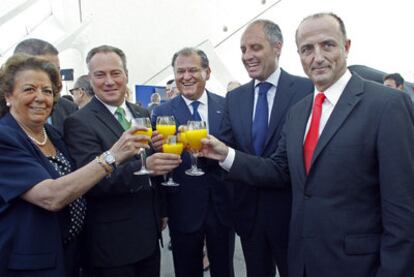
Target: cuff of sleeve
(229,160)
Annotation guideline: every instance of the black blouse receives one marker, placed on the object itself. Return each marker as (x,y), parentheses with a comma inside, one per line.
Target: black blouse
(76,209)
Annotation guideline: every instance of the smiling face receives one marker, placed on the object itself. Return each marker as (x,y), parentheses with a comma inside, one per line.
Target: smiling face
(108,77)
(31,100)
(323,50)
(190,77)
(259,56)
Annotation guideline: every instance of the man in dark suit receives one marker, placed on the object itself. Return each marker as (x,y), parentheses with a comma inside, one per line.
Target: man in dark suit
(37,47)
(347,151)
(261,215)
(199,207)
(123,219)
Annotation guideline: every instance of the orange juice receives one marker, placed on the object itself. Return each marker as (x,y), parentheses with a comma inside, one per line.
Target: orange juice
(182,138)
(166,130)
(173,148)
(146,133)
(194,138)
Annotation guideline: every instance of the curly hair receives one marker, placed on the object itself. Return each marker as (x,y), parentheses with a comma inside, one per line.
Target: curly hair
(21,62)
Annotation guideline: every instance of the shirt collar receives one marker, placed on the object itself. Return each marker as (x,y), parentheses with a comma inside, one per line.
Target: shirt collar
(273,78)
(111,108)
(335,91)
(202,99)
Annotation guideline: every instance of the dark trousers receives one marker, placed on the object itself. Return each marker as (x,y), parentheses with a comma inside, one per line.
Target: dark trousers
(187,249)
(266,247)
(148,267)
(72,257)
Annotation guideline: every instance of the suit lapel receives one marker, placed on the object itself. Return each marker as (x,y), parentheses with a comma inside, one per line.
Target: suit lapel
(105,116)
(245,107)
(299,121)
(214,115)
(181,111)
(346,103)
(280,105)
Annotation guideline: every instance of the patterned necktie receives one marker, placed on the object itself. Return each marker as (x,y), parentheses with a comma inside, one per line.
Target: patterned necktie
(196,116)
(120,116)
(313,134)
(261,117)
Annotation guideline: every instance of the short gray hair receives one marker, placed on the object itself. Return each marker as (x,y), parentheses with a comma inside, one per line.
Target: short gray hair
(271,30)
(188,51)
(107,49)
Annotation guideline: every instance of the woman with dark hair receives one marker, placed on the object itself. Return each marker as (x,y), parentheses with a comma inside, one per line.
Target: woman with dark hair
(37,176)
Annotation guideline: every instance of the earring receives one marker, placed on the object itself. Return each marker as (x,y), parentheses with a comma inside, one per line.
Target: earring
(8,104)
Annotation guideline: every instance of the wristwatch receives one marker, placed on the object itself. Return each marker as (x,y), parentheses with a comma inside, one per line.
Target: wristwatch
(109,159)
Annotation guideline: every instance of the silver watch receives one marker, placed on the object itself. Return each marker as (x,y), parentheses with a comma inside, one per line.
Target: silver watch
(109,159)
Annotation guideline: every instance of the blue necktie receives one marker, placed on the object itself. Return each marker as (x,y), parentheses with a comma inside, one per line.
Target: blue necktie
(261,116)
(196,116)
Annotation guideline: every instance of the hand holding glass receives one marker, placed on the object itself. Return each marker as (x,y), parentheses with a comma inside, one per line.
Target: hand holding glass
(146,123)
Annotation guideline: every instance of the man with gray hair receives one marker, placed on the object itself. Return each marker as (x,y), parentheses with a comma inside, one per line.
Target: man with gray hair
(124,213)
(82,91)
(261,216)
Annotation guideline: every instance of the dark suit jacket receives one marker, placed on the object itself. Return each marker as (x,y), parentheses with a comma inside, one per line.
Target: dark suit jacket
(61,110)
(122,217)
(236,131)
(353,215)
(30,237)
(187,204)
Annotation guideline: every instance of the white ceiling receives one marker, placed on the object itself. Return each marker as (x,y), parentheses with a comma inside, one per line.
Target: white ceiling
(150,31)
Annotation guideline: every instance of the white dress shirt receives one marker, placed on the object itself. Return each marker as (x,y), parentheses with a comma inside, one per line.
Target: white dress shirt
(202,108)
(332,96)
(112,109)
(274,80)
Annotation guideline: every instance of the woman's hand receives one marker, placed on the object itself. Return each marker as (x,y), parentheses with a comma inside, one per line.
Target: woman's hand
(128,144)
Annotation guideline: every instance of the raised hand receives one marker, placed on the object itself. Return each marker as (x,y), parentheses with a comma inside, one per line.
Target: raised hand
(128,144)
(213,148)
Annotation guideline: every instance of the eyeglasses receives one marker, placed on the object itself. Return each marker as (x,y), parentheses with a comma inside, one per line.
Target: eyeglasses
(71,91)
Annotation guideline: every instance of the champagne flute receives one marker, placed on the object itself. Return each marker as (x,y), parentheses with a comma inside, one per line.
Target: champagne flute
(196,130)
(146,123)
(166,126)
(174,147)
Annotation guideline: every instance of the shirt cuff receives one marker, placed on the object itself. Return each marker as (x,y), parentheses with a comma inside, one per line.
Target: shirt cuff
(229,160)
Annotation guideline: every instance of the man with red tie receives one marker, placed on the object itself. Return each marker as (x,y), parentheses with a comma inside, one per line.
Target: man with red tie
(347,153)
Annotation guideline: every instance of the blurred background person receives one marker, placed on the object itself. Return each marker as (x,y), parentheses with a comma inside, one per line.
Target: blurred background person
(394,80)
(82,91)
(171,89)
(46,50)
(232,85)
(37,176)
(68,97)
(155,101)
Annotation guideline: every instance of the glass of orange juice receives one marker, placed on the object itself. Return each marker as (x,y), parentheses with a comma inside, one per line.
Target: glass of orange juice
(146,123)
(165,126)
(196,130)
(172,146)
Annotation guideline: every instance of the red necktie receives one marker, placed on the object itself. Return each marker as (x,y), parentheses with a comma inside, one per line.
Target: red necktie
(313,134)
